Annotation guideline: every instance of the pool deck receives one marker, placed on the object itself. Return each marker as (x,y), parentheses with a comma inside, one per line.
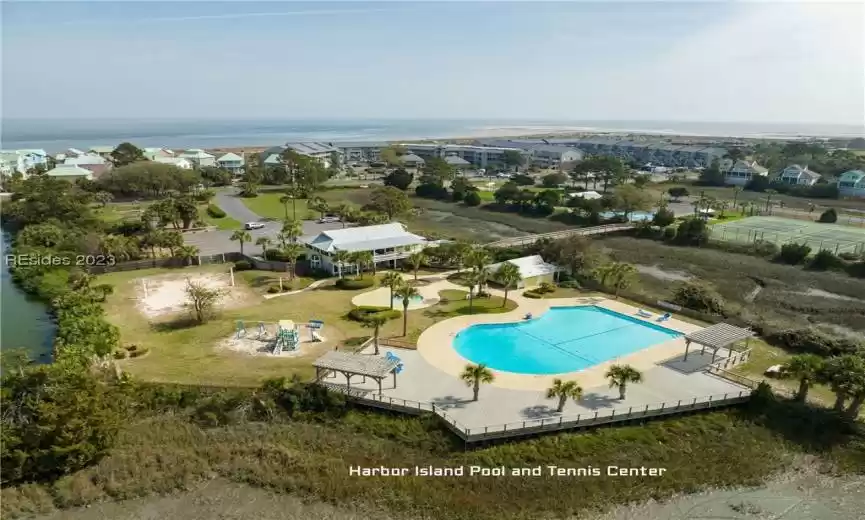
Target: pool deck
(431,373)
(381,297)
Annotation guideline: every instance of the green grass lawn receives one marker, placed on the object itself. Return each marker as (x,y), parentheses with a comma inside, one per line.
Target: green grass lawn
(116,211)
(262,280)
(224,223)
(267,205)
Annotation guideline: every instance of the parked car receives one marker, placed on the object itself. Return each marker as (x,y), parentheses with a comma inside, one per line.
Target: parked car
(253,225)
(328,219)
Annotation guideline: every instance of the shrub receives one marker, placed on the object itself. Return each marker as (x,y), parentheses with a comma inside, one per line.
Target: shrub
(669,234)
(532,294)
(215,211)
(857,270)
(431,191)
(138,353)
(830,216)
(349,284)
(699,297)
(663,217)
(569,284)
(363,312)
(825,259)
(545,288)
(794,254)
(678,192)
(273,289)
(472,199)
(131,348)
(242,265)
(812,341)
(692,232)
(119,354)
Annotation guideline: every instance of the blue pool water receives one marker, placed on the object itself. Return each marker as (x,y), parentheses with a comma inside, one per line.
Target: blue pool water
(635,216)
(563,339)
(397,301)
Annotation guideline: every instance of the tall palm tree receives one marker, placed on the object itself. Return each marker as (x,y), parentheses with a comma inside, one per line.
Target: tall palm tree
(375,321)
(284,200)
(736,191)
(187,253)
(392,280)
(264,243)
(619,274)
(806,368)
(320,205)
(621,375)
(362,259)
(292,229)
(478,258)
(416,260)
(242,237)
(474,375)
(340,258)
(845,376)
(509,276)
(406,292)
(291,253)
(461,252)
(474,280)
(564,390)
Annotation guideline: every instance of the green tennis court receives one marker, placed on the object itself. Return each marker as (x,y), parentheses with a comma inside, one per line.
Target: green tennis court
(834,237)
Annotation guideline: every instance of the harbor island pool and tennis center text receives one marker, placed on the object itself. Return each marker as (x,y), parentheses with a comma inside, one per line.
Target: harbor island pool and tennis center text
(504,471)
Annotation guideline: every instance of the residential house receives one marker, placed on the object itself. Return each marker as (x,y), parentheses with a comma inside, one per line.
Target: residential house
(22,161)
(199,157)
(742,172)
(457,162)
(798,176)
(321,151)
(104,151)
(852,184)
(70,172)
(388,243)
(533,271)
(75,152)
(232,162)
(90,161)
(180,162)
(553,156)
(152,153)
(411,160)
(273,160)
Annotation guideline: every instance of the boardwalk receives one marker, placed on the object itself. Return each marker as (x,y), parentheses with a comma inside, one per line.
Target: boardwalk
(555,235)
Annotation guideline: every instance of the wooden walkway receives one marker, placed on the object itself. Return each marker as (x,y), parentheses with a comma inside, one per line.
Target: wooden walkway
(531,239)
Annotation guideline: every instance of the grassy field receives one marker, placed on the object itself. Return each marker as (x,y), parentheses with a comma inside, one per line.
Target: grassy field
(309,458)
(224,223)
(262,280)
(179,353)
(728,193)
(117,211)
(267,205)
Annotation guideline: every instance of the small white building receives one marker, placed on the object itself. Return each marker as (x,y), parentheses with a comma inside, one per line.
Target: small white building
(152,153)
(588,195)
(798,176)
(387,242)
(852,184)
(180,162)
(743,171)
(533,271)
(553,156)
(86,159)
(412,160)
(22,161)
(70,172)
(232,162)
(199,157)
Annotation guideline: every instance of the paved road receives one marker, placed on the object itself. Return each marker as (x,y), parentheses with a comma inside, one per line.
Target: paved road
(213,242)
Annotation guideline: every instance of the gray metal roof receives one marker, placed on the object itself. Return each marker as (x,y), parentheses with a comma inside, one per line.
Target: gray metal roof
(719,335)
(360,364)
(311,148)
(360,144)
(366,238)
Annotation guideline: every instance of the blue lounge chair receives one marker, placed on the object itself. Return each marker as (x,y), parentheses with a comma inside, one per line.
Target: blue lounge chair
(528,316)
(665,317)
(644,314)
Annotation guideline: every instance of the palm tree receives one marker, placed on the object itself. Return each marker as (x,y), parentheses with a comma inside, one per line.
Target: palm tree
(292,229)
(375,321)
(406,292)
(474,280)
(187,253)
(264,243)
(621,375)
(362,259)
(620,275)
(340,258)
(564,390)
(478,258)
(769,194)
(242,237)
(736,191)
(292,252)
(284,200)
(461,252)
(416,260)
(806,368)
(320,205)
(845,376)
(509,276)
(391,279)
(474,375)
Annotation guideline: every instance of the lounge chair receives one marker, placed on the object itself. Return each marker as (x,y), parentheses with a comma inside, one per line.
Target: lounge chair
(665,317)
(528,316)
(644,314)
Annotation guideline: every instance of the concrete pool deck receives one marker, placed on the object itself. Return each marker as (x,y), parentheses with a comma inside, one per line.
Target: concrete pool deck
(381,297)
(435,344)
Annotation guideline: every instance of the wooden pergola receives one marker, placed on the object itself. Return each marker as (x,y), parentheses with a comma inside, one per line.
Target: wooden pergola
(350,365)
(716,337)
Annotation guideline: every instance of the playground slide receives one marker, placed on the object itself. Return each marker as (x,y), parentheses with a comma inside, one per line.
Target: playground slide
(316,336)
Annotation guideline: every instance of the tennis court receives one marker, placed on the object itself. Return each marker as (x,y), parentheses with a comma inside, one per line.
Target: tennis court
(834,237)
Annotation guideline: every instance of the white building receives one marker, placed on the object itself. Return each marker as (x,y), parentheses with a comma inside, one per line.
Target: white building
(321,151)
(22,161)
(552,156)
(199,157)
(387,242)
(743,171)
(70,172)
(533,271)
(361,151)
(479,156)
(180,162)
(86,159)
(798,176)
(232,162)
(852,184)
(152,153)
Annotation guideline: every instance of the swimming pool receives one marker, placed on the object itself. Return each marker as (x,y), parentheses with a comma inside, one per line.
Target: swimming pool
(397,301)
(634,216)
(564,339)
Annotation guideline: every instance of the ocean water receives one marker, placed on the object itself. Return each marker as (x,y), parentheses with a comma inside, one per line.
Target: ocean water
(60,134)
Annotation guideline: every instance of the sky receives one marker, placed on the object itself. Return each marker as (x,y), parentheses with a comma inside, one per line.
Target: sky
(696,61)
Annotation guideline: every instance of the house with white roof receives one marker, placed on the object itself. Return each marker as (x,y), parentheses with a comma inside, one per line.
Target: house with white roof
(743,171)
(152,153)
(321,151)
(552,156)
(387,242)
(232,162)
(104,151)
(22,161)
(457,162)
(533,271)
(70,172)
(412,160)
(852,184)
(199,157)
(88,158)
(798,176)
(180,162)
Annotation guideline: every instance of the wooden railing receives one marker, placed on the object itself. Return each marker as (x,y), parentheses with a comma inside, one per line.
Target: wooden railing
(531,239)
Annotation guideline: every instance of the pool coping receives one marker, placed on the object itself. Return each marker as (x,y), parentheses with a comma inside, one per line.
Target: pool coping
(435,344)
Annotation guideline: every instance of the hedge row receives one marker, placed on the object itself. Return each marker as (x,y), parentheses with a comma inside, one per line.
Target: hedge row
(352,285)
(215,211)
(363,312)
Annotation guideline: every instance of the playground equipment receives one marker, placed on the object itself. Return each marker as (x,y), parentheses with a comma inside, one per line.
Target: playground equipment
(391,357)
(286,337)
(315,327)
(241,330)
(262,332)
